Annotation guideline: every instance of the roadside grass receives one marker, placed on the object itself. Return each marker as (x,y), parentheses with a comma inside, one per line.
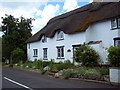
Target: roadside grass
(65,70)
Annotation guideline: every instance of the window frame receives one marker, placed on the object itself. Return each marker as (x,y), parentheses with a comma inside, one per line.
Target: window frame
(35,52)
(60,52)
(45,53)
(115,27)
(28,45)
(59,34)
(117,23)
(117,41)
(44,39)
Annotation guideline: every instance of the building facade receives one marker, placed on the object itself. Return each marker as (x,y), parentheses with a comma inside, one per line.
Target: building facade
(87,24)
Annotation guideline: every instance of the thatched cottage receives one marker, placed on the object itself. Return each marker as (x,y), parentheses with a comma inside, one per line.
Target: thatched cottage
(97,24)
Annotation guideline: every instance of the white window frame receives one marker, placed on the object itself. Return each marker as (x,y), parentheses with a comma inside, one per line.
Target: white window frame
(60,35)
(45,53)
(35,52)
(60,52)
(114,23)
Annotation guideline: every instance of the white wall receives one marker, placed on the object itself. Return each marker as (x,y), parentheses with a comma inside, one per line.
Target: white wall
(101,31)
(98,31)
(52,43)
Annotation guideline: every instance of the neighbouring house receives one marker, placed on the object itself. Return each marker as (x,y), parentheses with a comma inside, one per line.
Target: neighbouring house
(97,24)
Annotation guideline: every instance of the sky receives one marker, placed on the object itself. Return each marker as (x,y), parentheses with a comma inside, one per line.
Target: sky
(41,10)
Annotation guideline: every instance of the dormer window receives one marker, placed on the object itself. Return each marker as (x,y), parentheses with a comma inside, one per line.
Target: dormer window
(44,39)
(115,23)
(60,35)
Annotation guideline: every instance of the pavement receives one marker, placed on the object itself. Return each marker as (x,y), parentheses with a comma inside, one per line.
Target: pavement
(19,79)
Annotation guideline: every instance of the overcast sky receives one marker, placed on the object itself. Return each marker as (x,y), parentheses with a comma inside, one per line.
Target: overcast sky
(41,10)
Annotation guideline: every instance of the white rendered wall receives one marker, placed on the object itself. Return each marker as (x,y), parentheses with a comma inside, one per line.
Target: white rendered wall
(101,31)
(98,31)
(52,43)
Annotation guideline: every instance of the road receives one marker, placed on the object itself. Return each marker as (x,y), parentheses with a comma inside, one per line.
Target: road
(14,78)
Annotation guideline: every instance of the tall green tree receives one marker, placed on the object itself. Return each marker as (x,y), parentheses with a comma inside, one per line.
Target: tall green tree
(16,32)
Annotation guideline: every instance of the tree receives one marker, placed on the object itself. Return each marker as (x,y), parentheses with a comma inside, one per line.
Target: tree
(16,32)
(18,55)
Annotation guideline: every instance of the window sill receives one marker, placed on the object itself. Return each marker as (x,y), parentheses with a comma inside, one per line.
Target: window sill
(45,59)
(115,28)
(60,39)
(60,58)
(35,56)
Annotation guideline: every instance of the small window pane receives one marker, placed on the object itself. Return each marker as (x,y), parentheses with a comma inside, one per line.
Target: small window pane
(60,52)
(44,39)
(118,22)
(29,45)
(117,43)
(45,53)
(35,52)
(113,23)
(59,35)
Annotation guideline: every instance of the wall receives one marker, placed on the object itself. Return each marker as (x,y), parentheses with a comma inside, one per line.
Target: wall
(101,31)
(52,43)
(98,31)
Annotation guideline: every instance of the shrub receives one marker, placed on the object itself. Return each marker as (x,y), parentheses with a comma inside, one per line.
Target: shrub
(45,63)
(37,64)
(86,55)
(114,56)
(60,66)
(103,70)
(68,73)
(51,64)
(92,74)
(18,55)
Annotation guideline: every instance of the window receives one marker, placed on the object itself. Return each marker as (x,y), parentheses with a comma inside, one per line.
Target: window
(44,53)
(44,39)
(117,41)
(60,52)
(29,45)
(119,23)
(60,35)
(35,52)
(114,23)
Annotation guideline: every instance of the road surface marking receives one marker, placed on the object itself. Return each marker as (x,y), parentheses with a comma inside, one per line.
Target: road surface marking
(18,83)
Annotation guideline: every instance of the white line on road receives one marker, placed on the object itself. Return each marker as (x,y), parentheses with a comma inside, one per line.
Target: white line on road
(18,83)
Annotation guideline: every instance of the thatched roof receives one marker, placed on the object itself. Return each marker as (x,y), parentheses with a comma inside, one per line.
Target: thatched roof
(78,20)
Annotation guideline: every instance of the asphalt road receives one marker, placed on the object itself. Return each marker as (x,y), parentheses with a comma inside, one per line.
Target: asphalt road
(14,78)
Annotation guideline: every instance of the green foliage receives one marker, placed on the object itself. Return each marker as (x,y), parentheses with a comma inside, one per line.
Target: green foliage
(92,74)
(86,55)
(51,64)
(16,32)
(60,66)
(68,73)
(103,70)
(114,56)
(18,55)
(37,64)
